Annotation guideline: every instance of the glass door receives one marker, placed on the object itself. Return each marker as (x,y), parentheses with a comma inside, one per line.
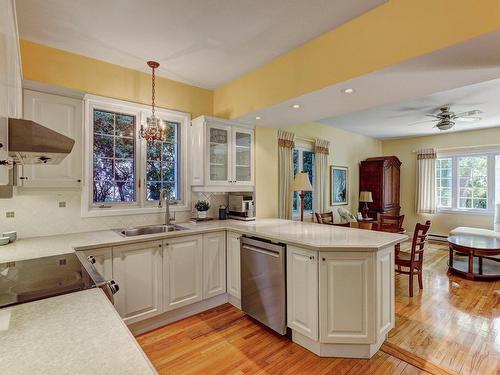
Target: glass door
(243,145)
(219,144)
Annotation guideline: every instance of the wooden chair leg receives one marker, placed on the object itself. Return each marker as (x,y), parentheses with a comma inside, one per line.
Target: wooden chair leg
(410,283)
(420,282)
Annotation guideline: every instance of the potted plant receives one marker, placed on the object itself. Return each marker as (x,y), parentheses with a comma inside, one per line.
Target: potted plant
(202,208)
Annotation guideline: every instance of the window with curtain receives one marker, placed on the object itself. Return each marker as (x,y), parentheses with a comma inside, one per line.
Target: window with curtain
(468,181)
(303,160)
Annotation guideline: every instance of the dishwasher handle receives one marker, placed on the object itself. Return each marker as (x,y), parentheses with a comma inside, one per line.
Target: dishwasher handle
(272,253)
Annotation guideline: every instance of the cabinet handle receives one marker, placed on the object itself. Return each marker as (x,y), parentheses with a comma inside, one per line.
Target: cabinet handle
(311,257)
(323,259)
(23,178)
(160,245)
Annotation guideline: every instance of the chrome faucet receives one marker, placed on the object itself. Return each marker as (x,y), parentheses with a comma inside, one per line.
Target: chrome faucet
(165,196)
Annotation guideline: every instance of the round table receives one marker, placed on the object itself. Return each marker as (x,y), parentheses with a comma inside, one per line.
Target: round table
(479,251)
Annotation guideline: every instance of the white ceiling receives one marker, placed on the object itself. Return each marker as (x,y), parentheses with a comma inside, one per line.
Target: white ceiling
(202,42)
(377,107)
(399,120)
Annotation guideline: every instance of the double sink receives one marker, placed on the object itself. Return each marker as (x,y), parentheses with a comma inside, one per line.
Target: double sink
(150,229)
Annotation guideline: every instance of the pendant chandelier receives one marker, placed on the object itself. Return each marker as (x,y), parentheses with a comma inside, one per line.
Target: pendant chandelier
(155,129)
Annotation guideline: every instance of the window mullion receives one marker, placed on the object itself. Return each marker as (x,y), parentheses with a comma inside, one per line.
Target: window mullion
(454,184)
(491,182)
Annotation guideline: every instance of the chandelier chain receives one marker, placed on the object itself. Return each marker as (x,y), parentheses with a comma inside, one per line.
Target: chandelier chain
(153,94)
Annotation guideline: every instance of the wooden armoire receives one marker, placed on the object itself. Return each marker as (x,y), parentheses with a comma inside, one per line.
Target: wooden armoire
(381,176)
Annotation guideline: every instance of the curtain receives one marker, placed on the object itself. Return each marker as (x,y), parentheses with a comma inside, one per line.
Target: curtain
(321,151)
(285,170)
(426,181)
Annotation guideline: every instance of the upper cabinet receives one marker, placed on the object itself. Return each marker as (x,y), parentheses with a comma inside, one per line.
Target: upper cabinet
(63,115)
(222,155)
(10,63)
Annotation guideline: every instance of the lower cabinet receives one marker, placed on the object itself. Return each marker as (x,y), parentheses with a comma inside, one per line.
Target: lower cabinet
(137,269)
(182,271)
(214,264)
(103,261)
(233,264)
(302,291)
(346,298)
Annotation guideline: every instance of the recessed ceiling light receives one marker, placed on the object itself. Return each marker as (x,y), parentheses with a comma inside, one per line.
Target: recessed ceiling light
(258,117)
(348,91)
(296,106)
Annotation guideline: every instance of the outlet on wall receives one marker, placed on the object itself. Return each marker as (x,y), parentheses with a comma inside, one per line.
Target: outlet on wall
(9,214)
(62,204)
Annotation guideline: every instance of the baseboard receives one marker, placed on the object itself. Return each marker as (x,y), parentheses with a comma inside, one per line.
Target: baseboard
(364,351)
(236,302)
(177,314)
(438,237)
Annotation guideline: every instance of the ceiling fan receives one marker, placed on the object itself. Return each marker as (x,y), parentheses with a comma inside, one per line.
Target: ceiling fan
(445,119)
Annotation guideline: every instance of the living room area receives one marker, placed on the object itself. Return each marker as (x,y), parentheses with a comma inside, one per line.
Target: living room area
(433,172)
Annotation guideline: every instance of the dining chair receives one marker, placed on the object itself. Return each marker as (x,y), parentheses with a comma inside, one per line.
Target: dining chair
(324,217)
(414,260)
(392,220)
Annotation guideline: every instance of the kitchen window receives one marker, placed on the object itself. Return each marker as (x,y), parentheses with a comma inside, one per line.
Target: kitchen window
(125,174)
(303,160)
(465,181)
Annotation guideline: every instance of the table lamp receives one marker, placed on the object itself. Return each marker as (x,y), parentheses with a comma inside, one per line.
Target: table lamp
(366,197)
(302,184)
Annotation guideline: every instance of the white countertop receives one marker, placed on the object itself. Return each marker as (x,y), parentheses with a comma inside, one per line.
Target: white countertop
(77,333)
(309,235)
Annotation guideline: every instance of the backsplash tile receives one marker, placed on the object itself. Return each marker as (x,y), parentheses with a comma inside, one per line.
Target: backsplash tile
(40,213)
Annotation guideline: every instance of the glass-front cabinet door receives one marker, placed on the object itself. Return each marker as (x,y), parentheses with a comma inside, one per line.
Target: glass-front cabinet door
(219,140)
(242,151)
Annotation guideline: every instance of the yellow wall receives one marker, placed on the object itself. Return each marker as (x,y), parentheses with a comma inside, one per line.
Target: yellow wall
(402,148)
(64,69)
(266,172)
(346,149)
(389,34)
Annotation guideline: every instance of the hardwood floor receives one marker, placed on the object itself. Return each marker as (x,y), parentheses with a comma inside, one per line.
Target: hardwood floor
(453,323)
(225,341)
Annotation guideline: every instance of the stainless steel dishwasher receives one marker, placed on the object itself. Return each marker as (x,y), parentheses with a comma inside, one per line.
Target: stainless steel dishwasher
(263,282)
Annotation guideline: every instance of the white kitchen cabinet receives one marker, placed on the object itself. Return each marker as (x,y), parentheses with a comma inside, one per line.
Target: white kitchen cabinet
(214,264)
(302,291)
(182,271)
(347,298)
(225,152)
(103,261)
(137,269)
(63,115)
(233,265)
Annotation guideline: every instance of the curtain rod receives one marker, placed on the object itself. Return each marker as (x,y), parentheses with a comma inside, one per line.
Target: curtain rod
(463,148)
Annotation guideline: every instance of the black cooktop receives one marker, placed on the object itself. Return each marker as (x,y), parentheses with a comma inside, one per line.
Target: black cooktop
(33,279)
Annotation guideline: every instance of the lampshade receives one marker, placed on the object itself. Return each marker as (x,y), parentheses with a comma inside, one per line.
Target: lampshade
(301,182)
(365,196)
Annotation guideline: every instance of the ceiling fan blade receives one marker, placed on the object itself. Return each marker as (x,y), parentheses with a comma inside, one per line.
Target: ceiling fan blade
(468,119)
(422,122)
(468,113)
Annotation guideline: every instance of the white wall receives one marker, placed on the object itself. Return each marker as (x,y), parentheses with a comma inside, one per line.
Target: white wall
(402,148)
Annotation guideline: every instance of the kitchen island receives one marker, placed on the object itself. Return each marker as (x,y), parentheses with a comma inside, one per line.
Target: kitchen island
(340,281)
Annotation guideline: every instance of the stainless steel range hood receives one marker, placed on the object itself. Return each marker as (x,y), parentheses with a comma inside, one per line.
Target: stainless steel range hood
(32,143)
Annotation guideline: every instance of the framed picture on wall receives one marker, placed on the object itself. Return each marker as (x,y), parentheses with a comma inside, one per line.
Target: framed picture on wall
(339,185)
